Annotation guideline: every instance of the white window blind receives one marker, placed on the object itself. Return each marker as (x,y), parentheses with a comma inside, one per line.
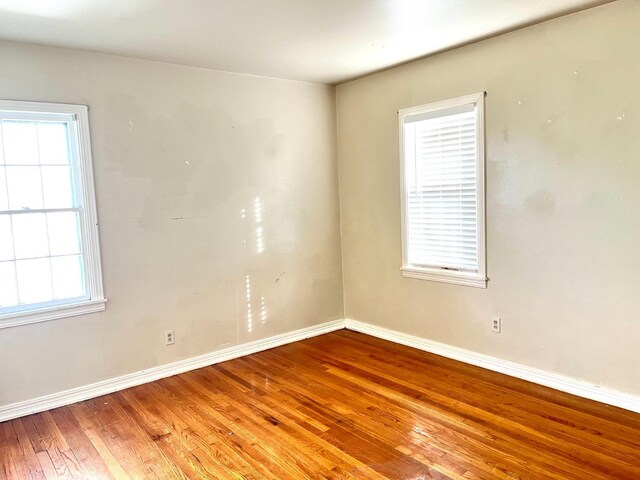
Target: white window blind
(49,257)
(443,176)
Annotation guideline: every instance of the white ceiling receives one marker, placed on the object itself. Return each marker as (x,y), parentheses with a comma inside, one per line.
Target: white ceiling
(327,41)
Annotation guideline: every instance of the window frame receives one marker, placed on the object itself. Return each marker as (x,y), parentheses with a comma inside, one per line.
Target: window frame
(470,279)
(77,116)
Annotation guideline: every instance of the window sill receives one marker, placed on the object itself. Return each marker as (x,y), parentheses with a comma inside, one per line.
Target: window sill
(445,276)
(51,313)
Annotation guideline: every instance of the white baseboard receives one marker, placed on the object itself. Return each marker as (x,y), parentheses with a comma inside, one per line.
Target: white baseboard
(541,377)
(67,397)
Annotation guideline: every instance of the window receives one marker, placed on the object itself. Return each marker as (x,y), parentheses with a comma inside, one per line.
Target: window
(49,253)
(442,156)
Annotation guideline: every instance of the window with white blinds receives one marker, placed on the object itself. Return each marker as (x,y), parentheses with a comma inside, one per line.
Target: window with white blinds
(49,255)
(442,153)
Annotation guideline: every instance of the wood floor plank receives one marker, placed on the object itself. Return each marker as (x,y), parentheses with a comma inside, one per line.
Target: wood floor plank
(373,381)
(338,406)
(150,454)
(389,422)
(245,434)
(46,465)
(545,395)
(409,361)
(80,443)
(31,460)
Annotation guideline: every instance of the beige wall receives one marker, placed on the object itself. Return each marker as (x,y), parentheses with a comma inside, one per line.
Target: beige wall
(175,248)
(563,197)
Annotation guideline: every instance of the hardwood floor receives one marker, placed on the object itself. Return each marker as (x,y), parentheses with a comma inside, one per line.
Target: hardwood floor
(343,405)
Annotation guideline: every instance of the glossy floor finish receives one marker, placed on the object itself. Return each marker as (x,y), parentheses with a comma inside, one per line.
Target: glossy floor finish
(343,405)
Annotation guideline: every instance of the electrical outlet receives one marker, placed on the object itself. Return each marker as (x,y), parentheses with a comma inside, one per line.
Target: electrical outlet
(169,337)
(496,324)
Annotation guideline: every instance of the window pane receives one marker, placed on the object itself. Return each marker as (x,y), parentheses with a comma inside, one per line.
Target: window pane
(30,235)
(68,277)
(441,188)
(8,287)
(42,209)
(6,241)
(64,233)
(53,143)
(20,142)
(34,280)
(58,187)
(4,200)
(25,188)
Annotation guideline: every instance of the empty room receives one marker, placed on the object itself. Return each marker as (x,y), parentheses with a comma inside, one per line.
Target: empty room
(319,239)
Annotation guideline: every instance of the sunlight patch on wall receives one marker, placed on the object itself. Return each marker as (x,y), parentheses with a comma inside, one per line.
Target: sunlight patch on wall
(247,286)
(257,217)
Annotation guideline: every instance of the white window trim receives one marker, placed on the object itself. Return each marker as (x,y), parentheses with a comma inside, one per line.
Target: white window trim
(470,279)
(89,231)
